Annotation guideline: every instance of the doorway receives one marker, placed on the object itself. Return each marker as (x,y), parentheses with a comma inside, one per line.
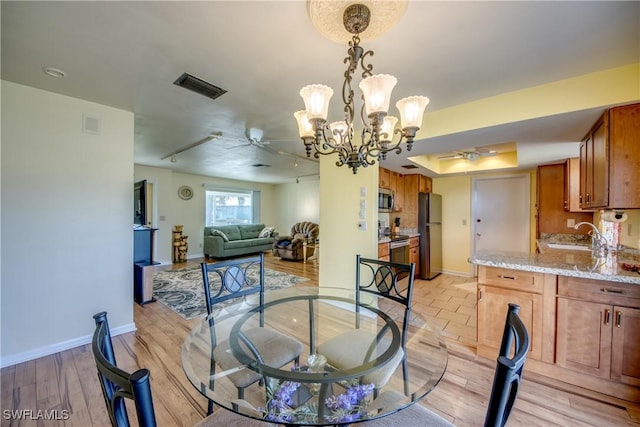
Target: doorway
(500,210)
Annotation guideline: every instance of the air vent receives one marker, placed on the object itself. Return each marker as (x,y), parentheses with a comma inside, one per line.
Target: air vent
(410,166)
(261,165)
(197,85)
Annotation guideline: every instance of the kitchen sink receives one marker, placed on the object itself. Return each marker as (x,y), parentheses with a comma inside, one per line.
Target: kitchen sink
(569,246)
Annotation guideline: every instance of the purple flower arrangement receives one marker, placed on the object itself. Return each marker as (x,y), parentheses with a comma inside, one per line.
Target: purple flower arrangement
(345,407)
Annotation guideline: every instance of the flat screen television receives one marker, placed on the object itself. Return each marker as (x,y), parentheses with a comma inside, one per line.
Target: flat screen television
(140,203)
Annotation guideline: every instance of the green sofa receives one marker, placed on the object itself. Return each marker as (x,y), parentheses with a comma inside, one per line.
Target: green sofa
(225,241)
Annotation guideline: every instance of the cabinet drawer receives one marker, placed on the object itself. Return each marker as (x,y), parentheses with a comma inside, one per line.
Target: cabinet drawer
(414,242)
(383,250)
(599,291)
(512,279)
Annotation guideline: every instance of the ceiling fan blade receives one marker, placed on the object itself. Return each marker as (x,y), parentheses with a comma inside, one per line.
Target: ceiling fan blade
(210,137)
(451,156)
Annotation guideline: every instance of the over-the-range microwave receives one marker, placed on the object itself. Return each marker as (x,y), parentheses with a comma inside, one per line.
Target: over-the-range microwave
(385,200)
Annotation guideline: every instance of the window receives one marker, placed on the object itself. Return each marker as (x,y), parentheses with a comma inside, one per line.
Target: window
(224,207)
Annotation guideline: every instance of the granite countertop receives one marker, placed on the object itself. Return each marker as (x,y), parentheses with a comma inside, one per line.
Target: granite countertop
(565,262)
(411,232)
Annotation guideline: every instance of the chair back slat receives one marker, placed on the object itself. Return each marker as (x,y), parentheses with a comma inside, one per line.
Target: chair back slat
(234,279)
(117,384)
(508,374)
(385,279)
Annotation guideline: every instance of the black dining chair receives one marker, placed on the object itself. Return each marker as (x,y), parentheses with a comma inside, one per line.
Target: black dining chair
(506,383)
(118,385)
(385,279)
(233,281)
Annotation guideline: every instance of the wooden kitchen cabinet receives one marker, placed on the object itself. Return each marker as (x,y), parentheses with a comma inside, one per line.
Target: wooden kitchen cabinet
(598,329)
(552,215)
(383,251)
(625,344)
(397,185)
(497,287)
(614,140)
(571,202)
(414,253)
(384,178)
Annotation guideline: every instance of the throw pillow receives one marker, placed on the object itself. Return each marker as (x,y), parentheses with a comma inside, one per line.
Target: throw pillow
(215,232)
(266,232)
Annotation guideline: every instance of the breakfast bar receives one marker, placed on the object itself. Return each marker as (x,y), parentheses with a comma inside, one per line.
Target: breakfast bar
(582,311)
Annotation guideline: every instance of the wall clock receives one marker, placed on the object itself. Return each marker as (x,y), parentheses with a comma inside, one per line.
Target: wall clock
(185,192)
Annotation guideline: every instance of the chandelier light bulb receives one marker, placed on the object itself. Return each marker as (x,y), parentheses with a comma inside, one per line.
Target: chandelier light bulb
(305,129)
(316,101)
(339,129)
(377,92)
(412,110)
(388,126)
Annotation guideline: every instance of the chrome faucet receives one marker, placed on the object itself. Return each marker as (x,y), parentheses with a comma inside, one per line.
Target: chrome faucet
(599,243)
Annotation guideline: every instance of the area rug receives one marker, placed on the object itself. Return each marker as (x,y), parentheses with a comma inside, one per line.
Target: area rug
(183,291)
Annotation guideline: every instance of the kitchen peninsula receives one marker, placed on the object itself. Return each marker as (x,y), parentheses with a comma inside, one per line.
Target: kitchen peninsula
(582,313)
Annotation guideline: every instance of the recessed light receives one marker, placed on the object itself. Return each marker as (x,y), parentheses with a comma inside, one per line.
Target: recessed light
(54,72)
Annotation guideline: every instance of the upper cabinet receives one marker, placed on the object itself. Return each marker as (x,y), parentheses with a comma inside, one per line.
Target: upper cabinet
(572,185)
(384,178)
(610,161)
(552,213)
(393,181)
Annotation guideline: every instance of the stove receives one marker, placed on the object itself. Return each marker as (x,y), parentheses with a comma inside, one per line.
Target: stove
(397,237)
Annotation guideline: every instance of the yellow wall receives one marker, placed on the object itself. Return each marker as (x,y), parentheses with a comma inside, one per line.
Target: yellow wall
(456,207)
(341,240)
(614,86)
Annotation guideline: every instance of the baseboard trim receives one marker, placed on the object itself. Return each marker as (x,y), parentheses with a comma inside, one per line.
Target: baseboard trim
(14,359)
(457,273)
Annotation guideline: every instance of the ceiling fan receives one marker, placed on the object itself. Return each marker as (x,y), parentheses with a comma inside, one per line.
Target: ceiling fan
(254,138)
(469,154)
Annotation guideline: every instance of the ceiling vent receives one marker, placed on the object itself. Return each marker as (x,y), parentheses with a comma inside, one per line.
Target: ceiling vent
(197,85)
(410,166)
(261,165)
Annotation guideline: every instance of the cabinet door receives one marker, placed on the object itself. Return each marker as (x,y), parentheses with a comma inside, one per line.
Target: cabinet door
(584,336)
(415,258)
(492,313)
(399,192)
(585,171)
(424,184)
(625,346)
(383,178)
(572,185)
(600,179)
(624,154)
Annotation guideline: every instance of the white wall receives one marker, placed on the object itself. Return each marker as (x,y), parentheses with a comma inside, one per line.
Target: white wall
(67,240)
(296,203)
(171,210)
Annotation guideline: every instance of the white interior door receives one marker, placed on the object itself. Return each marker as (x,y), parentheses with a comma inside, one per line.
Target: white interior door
(501,213)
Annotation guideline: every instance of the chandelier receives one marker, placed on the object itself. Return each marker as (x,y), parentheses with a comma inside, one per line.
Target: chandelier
(379,128)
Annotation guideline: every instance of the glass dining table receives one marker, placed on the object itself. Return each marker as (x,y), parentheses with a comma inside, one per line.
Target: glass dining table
(313,391)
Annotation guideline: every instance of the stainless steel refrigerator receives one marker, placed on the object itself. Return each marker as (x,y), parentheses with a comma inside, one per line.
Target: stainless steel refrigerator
(430,229)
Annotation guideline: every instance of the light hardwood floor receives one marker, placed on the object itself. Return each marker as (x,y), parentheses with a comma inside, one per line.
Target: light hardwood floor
(68,380)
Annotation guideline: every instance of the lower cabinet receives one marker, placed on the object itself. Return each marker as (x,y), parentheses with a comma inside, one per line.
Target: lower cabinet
(492,313)
(414,253)
(384,252)
(599,329)
(582,331)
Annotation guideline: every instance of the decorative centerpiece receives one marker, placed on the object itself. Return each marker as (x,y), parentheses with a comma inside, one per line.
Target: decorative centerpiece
(291,402)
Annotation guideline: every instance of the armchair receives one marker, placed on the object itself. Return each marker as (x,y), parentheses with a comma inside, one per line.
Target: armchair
(291,247)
